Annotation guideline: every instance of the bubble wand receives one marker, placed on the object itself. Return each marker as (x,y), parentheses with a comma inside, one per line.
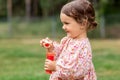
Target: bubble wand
(49,55)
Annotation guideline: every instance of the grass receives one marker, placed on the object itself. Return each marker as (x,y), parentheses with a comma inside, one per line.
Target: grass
(23,59)
(106,59)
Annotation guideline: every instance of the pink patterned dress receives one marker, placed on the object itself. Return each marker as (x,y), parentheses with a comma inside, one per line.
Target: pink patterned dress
(73,60)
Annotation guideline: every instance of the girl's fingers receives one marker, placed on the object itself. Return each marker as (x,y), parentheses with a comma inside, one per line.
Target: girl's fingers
(45,41)
(46,67)
(48,40)
(41,41)
(47,61)
(47,64)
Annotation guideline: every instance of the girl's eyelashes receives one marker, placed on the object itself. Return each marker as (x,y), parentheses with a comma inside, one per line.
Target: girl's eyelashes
(65,23)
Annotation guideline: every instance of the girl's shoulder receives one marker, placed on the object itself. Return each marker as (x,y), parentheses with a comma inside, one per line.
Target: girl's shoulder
(64,39)
(81,42)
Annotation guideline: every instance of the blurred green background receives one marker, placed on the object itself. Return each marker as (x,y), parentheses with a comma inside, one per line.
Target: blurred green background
(24,22)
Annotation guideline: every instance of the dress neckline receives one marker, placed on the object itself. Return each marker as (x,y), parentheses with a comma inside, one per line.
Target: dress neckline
(81,39)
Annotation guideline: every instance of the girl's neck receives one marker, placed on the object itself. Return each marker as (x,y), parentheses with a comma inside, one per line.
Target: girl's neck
(81,36)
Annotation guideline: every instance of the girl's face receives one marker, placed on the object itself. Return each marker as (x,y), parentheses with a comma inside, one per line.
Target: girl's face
(72,27)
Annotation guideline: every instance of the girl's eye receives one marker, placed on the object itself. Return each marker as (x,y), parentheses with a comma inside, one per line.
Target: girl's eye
(66,23)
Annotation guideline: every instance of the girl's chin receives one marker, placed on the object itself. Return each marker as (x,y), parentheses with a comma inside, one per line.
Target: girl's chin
(69,36)
(74,37)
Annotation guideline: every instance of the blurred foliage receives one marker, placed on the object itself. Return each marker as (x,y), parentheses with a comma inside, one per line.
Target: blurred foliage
(42,7)
(47,8)
(52,7)
(3,10)
(102,6)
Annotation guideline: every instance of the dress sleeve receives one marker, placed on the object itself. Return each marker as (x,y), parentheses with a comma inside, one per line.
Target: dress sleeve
(58,47)
(78,67)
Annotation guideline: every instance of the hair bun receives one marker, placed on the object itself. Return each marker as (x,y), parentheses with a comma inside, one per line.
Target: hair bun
(93,25)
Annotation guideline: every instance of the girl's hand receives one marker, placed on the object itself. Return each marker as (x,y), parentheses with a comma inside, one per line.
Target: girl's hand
(50,65)
(47,43)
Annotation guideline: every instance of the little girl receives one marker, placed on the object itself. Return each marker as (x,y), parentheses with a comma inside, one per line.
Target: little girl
(73,56)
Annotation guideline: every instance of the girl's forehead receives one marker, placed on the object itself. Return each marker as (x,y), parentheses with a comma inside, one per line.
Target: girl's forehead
(65,17)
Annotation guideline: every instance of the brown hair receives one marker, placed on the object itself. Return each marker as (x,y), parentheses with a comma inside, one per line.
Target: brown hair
(81,10)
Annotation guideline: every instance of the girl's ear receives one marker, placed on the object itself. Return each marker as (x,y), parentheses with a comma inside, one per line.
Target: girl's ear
(84,23)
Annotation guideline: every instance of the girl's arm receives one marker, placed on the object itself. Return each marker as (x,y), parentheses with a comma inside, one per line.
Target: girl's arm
(76,68)
(53,46)
(58,47)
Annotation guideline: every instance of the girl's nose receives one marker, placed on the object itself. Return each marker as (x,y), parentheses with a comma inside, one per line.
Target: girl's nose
(63,27)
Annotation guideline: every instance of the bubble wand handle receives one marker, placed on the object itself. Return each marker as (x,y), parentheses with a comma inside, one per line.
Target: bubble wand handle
(49,55)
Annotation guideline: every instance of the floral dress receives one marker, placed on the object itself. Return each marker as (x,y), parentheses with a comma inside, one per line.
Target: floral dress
(73,60)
